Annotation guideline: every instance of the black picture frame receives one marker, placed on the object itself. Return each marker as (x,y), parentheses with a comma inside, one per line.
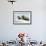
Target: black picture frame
(20,13)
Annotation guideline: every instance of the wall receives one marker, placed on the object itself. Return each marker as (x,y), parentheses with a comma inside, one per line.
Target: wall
(9,31)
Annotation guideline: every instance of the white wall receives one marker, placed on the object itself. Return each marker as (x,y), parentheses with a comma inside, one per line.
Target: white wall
(9,31)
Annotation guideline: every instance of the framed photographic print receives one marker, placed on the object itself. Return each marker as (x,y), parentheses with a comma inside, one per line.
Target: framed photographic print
(22,17)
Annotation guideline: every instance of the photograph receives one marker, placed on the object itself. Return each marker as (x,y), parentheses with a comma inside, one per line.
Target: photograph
(22,17)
